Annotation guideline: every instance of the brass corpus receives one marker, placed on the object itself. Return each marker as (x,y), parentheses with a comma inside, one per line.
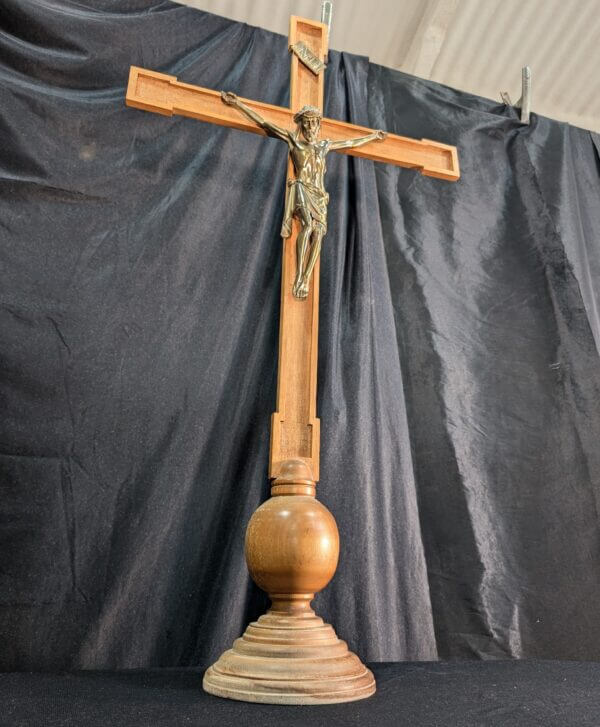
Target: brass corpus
(306,197)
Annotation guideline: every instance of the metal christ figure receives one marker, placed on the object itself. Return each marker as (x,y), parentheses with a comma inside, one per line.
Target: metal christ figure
(306,198)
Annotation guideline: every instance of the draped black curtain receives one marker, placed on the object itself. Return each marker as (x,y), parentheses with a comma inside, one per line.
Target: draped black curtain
(459,372)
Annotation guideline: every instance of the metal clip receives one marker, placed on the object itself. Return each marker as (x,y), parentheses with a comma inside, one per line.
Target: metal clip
(326,13)
(524,103)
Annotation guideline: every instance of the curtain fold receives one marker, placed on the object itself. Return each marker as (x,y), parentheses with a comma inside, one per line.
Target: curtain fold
(494,303)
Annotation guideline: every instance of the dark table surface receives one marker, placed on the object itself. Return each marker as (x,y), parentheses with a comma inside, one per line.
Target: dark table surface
(414,694)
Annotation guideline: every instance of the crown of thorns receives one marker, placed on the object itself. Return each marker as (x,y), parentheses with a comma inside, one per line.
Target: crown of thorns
(307,111)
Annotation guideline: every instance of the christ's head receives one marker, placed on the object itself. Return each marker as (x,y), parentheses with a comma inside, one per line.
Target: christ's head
(309,121)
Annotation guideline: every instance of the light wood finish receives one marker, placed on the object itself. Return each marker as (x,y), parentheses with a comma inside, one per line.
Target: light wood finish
(165,95)
(289,656)
(295,429)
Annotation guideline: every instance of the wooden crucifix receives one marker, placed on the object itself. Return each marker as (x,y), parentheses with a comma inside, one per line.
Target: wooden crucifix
(290,656)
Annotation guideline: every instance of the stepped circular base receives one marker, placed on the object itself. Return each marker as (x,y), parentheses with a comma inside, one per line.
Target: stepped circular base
(283,659)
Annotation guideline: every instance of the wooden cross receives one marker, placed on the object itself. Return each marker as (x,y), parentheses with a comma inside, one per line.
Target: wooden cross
(295,440)
(295,426)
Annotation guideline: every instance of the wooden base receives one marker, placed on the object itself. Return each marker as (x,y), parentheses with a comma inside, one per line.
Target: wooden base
(289,659)
(290,656)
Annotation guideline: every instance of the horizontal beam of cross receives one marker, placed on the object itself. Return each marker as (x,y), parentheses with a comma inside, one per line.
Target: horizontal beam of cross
(164,94)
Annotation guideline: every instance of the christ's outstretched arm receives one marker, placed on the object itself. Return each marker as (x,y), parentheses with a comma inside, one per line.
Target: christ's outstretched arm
(353,143)
(232,100)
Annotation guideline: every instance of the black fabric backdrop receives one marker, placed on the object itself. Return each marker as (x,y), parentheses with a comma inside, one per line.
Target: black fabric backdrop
(459,374)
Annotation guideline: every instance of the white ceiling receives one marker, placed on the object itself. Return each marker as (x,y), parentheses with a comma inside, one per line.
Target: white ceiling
(473,45)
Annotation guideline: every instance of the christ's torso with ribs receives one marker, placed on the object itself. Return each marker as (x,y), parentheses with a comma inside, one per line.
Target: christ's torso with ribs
(309,162)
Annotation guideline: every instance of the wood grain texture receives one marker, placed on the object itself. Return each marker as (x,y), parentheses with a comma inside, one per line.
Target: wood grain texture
(290,656)
(164,94)
(289,660)
(295,428)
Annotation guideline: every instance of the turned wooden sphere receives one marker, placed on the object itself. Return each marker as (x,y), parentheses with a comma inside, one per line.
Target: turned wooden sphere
(292,545)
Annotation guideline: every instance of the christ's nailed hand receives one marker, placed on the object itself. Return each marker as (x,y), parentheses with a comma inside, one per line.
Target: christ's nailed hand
(380,134)
(229,98)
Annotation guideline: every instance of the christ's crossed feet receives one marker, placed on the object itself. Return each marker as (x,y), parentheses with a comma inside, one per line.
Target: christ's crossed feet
(300,289)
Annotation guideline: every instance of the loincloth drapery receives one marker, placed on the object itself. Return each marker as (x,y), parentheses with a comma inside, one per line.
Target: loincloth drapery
(300,195)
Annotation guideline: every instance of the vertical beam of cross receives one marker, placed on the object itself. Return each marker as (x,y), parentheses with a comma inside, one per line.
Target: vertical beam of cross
(295,430)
